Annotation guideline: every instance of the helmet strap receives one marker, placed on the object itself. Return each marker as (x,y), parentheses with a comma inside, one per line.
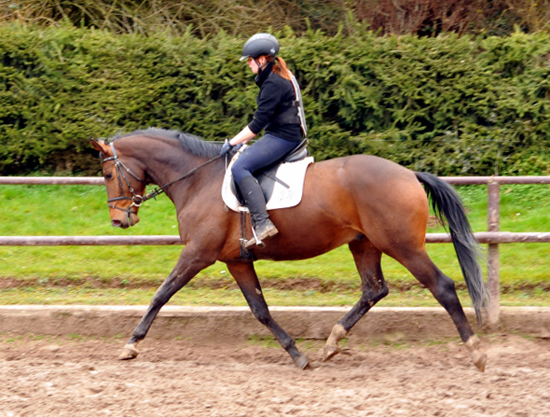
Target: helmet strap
(260,67)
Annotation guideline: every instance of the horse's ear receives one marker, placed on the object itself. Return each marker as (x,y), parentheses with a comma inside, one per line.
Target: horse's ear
(99,145)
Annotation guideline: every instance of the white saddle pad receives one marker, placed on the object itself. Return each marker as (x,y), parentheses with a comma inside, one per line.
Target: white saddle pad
(287,189)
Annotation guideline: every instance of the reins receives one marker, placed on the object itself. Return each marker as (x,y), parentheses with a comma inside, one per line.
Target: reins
(138,200)
(159,190)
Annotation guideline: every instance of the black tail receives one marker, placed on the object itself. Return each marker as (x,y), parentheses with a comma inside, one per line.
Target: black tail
(447,205)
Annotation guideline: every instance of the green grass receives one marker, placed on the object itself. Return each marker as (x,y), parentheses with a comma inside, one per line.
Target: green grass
(129,274)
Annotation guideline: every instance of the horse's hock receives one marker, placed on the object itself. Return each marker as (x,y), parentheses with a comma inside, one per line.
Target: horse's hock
(237,324)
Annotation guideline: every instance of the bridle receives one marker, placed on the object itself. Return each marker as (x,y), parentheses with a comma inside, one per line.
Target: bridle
(136,199)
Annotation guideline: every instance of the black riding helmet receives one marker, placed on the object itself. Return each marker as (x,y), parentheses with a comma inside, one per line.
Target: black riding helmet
(260,44)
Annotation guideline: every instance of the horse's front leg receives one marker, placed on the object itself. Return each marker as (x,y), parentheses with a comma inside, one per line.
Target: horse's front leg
(189,264)
(246,277)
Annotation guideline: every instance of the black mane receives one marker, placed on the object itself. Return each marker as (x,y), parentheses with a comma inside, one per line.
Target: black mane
(191,143)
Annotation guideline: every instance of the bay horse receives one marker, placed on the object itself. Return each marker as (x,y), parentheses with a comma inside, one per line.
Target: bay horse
(373,205)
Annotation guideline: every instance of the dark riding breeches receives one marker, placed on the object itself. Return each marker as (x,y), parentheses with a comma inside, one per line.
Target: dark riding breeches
(265,152)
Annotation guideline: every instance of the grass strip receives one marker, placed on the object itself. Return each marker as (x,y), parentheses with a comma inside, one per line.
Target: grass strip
(121,274)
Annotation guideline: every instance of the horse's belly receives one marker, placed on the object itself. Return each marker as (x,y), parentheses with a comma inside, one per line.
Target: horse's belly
(292,247)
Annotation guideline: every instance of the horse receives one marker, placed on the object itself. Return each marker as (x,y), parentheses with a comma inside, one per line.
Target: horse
(373,205)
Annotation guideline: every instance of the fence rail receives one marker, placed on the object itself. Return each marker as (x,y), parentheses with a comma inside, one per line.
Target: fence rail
(482,237)
(493,237)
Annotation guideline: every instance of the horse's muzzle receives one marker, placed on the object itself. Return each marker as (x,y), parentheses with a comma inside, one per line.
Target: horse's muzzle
(126,221)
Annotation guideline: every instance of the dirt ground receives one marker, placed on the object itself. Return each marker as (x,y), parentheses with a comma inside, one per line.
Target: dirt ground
(58,376)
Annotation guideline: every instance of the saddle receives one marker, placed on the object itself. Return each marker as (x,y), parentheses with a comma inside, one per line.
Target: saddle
(281,183)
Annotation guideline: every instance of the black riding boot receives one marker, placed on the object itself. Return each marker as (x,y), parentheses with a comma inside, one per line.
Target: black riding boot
(255,201)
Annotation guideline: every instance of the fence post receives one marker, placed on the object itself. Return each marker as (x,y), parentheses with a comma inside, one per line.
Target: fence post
(493,284)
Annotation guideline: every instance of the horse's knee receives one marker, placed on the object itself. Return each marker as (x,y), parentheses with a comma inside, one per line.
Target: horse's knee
(371,295)
(383,292)
(160,298)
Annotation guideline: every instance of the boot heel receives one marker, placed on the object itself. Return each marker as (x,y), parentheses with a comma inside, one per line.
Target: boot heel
(266,230)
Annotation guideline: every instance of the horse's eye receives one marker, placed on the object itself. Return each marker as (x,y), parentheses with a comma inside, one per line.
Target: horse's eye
(108,176)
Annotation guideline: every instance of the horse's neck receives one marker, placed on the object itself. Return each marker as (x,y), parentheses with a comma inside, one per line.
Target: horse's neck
(165,161)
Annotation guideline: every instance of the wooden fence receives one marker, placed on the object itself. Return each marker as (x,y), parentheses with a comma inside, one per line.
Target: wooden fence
(493,237)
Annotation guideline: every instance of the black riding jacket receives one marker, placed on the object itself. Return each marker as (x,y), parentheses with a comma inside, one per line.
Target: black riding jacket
(276,112)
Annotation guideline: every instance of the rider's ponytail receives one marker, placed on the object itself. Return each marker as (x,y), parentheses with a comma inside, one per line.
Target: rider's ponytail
(281,68)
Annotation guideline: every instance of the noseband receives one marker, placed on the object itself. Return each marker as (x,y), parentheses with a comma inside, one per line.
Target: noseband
(136,199)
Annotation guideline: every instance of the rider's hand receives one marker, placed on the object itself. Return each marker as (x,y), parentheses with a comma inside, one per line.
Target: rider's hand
(226,148)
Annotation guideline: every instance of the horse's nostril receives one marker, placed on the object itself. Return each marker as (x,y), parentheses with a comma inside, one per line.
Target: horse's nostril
(116,223)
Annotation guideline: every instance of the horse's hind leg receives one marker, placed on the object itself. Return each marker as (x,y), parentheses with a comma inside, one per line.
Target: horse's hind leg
(367,259)
(246,277)
(443,289)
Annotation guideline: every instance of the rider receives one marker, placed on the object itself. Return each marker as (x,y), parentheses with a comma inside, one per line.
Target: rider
(279,112)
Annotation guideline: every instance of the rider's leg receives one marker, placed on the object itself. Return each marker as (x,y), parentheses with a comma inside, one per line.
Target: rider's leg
(255,201)
(265,152)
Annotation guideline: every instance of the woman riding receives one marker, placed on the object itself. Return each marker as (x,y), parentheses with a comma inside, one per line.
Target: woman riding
(279,113)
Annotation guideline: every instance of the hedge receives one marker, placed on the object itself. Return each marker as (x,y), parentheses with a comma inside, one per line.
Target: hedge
(449,105)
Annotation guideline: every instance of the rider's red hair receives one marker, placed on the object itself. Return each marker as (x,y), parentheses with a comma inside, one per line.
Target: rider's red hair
(279,67)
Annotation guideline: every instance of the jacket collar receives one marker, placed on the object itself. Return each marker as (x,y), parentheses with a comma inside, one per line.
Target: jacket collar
(264,73)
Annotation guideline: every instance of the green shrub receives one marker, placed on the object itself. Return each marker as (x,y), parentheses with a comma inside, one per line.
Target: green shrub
(449,105)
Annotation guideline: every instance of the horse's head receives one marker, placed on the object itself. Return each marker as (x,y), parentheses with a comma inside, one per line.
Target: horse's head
(125,182)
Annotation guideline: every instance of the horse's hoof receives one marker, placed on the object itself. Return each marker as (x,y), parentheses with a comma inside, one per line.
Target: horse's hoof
(481,362)
(301,361)
(479,358)
(329,352)
(128,352)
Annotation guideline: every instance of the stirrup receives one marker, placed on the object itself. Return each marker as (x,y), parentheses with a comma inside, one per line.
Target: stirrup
(249,244)
(256,240)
